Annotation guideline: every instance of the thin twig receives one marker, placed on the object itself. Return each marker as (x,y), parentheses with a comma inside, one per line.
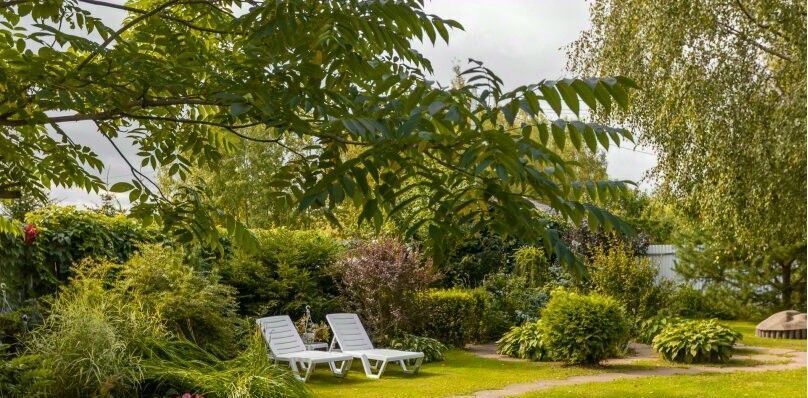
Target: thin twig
(120,31)
(137,174)
(168,17)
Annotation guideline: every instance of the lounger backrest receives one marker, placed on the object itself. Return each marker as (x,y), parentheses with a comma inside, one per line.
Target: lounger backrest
(280,334)
(349,332)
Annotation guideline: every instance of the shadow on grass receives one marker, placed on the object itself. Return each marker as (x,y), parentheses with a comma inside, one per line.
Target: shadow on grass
(356,377)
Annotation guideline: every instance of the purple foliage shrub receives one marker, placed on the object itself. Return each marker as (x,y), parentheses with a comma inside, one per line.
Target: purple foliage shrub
(380,280)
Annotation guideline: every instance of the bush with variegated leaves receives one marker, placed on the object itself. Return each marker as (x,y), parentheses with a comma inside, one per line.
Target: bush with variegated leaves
(696,341)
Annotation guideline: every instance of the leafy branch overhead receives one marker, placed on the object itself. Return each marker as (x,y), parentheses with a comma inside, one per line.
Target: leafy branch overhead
(183,82)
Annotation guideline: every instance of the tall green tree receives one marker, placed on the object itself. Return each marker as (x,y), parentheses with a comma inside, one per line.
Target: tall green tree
(183,81)
(724,105)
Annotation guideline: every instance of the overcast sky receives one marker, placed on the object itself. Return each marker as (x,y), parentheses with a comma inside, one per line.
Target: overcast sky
(521,40)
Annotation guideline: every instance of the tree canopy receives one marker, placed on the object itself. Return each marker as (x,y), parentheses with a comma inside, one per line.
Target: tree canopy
(184,81)
(723,105)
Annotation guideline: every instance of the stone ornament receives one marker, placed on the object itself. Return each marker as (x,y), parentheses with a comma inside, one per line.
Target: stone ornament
(788,324)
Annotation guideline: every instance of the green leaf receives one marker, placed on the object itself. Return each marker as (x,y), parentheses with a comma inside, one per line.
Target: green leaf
(238,109)
(551,96)
(119,187)
(589,137)
(569,95)
(558,132)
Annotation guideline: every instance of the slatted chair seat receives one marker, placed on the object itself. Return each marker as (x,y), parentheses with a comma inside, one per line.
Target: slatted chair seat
(351,338)
(285,345)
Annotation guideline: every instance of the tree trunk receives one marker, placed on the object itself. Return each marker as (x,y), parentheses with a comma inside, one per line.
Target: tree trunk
(787,288)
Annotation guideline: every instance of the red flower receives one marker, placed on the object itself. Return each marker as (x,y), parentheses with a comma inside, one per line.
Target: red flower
(30,234)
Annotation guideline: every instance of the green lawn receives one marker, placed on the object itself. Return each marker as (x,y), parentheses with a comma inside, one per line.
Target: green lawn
(749,338)
(785,384)
(461,372)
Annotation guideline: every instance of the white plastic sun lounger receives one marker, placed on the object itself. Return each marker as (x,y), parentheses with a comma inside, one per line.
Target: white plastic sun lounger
(286,345)
(352,339)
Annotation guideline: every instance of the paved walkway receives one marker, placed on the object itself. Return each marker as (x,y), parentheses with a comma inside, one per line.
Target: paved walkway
(796,360)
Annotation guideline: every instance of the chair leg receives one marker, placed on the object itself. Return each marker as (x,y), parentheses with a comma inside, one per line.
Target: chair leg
(295,371)
(370,369)
(342,369)
(309,371)
(307,366)
(415,367)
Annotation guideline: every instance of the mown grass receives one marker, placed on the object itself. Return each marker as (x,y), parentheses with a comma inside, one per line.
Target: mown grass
(733,362)
(779,384)
(463,372)
(747,329)
(460,373)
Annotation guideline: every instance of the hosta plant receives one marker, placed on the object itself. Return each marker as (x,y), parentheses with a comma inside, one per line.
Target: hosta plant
(525,342)
(433,349)
(696,341)
(654,325)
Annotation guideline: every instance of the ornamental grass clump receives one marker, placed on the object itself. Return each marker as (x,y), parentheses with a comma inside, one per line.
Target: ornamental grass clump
(583,329)
(696,341)
(112,333)
(525,342)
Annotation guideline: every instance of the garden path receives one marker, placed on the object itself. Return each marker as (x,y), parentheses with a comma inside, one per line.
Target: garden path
(795,359)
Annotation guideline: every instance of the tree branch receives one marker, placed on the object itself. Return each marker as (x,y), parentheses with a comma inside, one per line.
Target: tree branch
(123,29)
(10,3)
(137,174)
(754,42)
(112,114)
(233,129)
(168,17)
(4,194)
(757,23)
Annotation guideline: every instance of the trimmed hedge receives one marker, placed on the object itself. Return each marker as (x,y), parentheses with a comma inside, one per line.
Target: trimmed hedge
(583,329)
(452,316)
(291,270)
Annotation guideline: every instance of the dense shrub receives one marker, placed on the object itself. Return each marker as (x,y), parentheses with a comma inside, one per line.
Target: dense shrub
(476,256)
(696,341)
(291,271)
(64,236)
(509,301)
(583,328)
(712,302)
(433,349)
(452,316)
(628,279)
(17,323)
(525,342)
(107,336)
(586,242)
(654,325)
(531,263)
(381,280)
(191,303)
